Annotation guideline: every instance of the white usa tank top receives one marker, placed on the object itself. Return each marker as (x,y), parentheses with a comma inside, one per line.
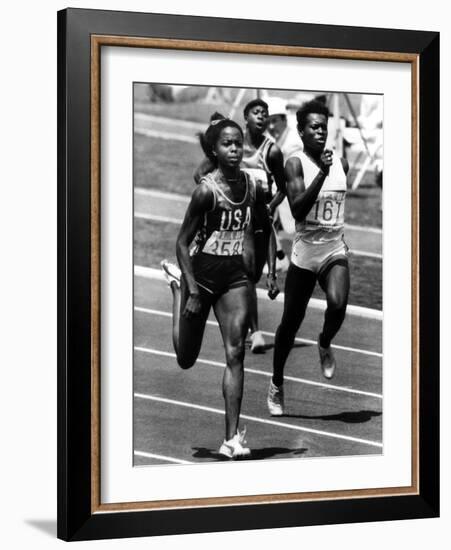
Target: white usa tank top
(325,221)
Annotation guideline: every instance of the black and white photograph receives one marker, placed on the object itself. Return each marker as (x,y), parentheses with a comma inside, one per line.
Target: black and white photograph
(258,262)
(122,172)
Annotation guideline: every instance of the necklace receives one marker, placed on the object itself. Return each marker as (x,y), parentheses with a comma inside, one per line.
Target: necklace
(229,180)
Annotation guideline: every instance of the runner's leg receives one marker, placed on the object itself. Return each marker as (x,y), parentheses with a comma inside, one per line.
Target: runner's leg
(251,241)
(335,284)
(231,310)
(254,257)
(187,334)
(299,286)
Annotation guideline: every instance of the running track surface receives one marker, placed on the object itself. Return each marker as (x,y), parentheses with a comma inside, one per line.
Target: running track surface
(178,415)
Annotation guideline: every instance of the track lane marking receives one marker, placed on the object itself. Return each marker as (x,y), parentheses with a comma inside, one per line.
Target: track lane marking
(166,135)
(259,420)
(156,218)
(373,255)
(191,124)
(265,373)
(266,333)
(162,457)
(157,194)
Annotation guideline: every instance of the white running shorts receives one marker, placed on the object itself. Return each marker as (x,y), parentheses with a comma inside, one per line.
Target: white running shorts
(316,257)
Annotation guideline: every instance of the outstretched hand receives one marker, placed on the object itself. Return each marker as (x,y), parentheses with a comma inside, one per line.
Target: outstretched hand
(271,285)
(326,160)
(192,306)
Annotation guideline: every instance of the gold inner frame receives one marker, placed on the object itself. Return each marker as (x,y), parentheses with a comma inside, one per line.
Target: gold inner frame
(97,41)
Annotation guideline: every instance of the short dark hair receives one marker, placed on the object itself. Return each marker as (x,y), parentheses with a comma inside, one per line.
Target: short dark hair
(309,107)
(253,104)
(208,139)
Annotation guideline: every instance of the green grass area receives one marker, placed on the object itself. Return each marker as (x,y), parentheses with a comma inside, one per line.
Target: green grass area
(364,206)
(165,165)
(155,241)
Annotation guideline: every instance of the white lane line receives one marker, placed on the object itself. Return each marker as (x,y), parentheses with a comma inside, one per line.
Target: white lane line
(156,218)
(315,303)
(185,198)
(373,255)
(161,457)
(166,135)
(260,420)
(155,194)
(174,121)
(364,228)
(263,373)
(266,333)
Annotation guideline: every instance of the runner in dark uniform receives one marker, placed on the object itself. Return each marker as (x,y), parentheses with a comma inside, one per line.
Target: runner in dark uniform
(263,160)
(223,207)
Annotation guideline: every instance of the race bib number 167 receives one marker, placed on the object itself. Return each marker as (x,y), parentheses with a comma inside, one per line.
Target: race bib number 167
(328,209)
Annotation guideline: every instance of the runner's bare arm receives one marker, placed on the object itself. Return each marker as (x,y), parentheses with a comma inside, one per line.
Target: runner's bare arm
(261,214)
(300,198)
(275,164)
(204,168)
(201,202)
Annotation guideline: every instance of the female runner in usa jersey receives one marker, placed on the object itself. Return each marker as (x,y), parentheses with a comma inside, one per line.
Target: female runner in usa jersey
(263,160)
(223,207)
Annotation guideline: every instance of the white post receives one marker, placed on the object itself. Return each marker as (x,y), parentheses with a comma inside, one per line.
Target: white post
(338,137)
(238,98)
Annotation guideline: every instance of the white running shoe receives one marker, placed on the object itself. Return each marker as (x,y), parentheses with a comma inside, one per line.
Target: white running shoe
(257,342)
(233,448)
(275,399)
(327,361)
(171,272)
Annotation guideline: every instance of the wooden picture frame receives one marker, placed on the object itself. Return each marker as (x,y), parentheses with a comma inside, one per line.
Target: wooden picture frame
(81,35)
